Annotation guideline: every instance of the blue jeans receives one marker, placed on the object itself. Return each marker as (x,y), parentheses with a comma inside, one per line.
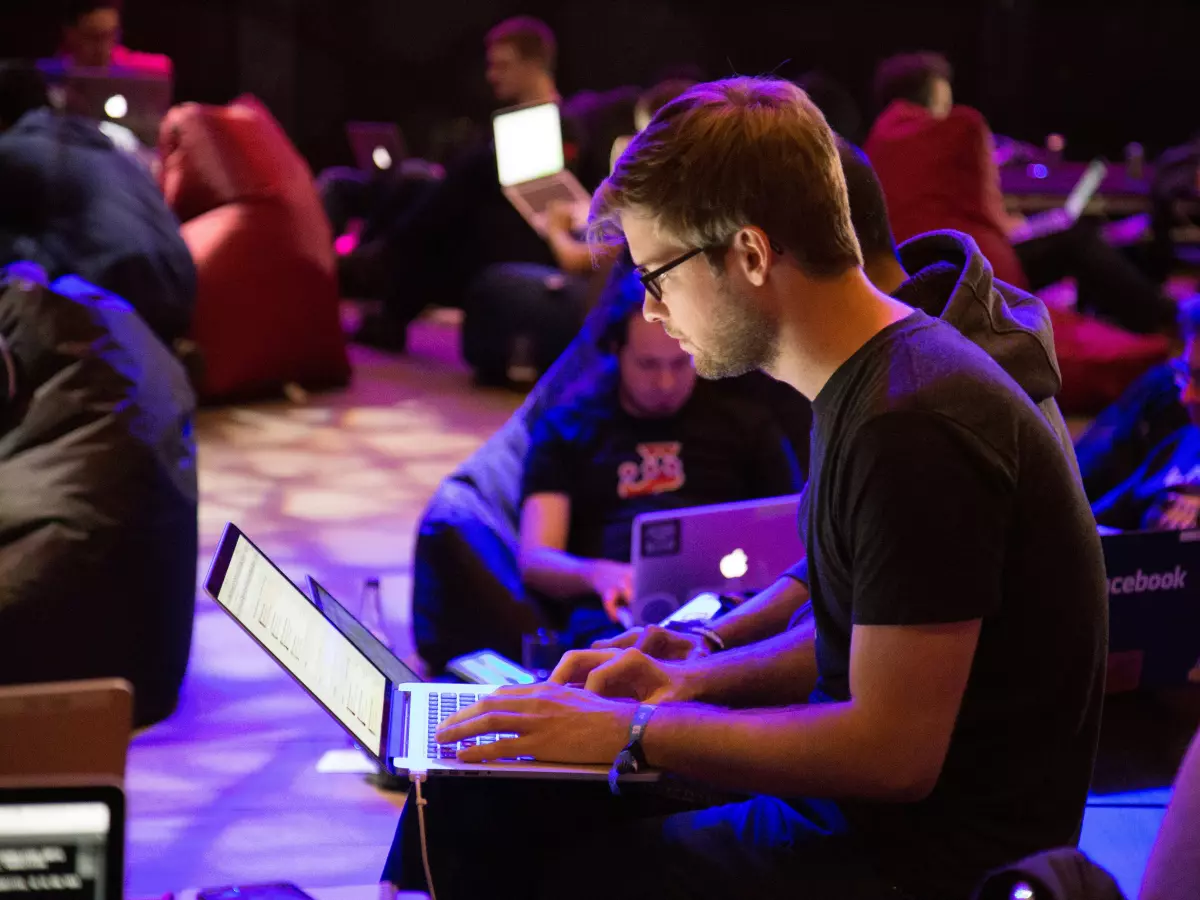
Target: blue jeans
(553,839)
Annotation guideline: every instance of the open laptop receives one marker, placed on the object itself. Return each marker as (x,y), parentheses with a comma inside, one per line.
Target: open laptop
(1154,608)
(726,548)
(378,146)
(133,100)
(393,718)
(531,163)
(62,842)
(1055,220)
(44,729)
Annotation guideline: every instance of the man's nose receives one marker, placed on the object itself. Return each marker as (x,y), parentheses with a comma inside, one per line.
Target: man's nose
(654,310)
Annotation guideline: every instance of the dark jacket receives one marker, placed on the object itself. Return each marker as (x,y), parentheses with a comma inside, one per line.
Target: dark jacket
(98,497)
(76,205)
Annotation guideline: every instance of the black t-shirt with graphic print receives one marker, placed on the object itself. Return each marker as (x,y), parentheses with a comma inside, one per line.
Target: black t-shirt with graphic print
(613,466)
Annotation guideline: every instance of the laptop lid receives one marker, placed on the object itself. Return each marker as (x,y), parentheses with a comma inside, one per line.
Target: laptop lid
(1081,195)
(1154,607)
(377,146)
(372,647)
(136,101)
(741,546)
(529,143)
(43,727)
(62,842)
(282,620)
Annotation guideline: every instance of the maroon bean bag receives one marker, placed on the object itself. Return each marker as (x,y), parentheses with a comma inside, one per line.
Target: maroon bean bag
(267,301)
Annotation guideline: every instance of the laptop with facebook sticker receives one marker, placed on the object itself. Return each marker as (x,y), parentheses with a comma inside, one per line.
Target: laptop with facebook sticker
(1154,608)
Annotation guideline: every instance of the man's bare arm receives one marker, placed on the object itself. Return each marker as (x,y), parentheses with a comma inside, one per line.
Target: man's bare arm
(888,742)
(763,616)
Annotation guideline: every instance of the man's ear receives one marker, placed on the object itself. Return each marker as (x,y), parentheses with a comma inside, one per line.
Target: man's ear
(752,252)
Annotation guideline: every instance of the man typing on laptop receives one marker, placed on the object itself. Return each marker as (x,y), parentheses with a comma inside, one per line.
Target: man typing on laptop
(930,756)
(644,437)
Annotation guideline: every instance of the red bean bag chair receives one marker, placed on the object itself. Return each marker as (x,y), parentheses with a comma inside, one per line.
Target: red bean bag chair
(1099,361)
(267,301)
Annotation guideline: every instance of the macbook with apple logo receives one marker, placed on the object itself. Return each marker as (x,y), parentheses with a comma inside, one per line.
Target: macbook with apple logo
(726,548)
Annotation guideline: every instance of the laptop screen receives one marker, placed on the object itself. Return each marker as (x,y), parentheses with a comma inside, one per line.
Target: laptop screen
(304,642)
(1081,195)
(372,647)
(66,844)
(529,144)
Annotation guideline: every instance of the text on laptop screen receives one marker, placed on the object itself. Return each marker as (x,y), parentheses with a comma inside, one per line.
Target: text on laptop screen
(278,614)
(528,144)
(55,850)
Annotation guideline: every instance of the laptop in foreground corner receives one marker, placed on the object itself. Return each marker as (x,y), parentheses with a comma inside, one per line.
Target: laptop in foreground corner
(393,720)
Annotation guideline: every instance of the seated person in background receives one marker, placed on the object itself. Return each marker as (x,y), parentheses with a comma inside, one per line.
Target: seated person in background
(436,249)
(935,161)
(76,205)
(645,436)
(1164,493)
(948,277)
(648,103)
(91,37)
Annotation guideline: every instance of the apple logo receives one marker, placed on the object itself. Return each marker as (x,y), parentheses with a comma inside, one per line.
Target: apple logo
(735,565)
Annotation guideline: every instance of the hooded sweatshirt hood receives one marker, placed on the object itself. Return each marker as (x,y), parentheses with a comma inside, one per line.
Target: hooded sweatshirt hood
(950,278)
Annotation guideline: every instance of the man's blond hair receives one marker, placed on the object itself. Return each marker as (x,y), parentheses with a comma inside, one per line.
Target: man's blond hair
(728,154)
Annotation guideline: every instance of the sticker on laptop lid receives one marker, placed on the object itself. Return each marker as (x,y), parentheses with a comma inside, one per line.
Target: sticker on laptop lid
(660,539)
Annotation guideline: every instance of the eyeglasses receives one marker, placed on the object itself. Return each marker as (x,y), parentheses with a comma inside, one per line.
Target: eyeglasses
(650,279)
(1185,375)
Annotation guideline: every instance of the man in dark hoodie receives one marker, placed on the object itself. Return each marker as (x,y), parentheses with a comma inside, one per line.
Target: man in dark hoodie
(76,205)
(937,491)
(950,279)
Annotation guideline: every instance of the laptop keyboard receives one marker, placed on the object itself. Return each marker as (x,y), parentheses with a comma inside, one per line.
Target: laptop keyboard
(539,198)
(442,707)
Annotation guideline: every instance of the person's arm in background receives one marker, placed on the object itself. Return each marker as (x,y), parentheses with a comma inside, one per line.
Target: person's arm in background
(552,470)
(1120,508)
(548,568)
(1173,872)
(572,255)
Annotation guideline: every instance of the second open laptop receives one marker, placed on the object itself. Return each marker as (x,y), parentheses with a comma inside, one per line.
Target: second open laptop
(377,146)
(531,163)
(738,547)
(393,717)
(1055,220)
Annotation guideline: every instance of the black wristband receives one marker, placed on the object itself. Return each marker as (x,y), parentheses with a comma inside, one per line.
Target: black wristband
(632,759)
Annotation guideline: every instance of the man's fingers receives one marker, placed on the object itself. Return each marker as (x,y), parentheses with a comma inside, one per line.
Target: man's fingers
(576,664)
(509,748)
(621,676)
(487,723)
(612,603)
(654,640)
(630,638)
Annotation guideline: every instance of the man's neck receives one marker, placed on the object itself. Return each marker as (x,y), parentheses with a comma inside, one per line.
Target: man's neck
(886,274)
(544,90)
(836,318)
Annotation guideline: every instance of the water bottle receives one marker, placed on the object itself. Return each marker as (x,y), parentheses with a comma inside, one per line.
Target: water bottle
(521,362)
(371,615)
(1135,161)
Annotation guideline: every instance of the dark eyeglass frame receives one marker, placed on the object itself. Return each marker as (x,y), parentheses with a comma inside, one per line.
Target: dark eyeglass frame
(650,279)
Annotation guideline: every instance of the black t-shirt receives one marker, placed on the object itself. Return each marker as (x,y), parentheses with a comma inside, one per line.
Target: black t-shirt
(614,466)
(939,494)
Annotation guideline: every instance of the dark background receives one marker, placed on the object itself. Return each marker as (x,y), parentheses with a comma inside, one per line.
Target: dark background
(1102,73)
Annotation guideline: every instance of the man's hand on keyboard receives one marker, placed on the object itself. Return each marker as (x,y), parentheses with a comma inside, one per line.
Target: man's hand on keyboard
(552,723)
(627,675)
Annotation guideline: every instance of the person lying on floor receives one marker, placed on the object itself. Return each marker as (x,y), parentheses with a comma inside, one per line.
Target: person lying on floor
(937,492)
(644,436)
(1164,493)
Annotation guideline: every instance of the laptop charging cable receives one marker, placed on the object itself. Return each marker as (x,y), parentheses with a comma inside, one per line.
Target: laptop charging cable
(417,779)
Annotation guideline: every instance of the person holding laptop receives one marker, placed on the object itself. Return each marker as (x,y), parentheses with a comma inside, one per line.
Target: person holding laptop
(642,436)
(937,493)
(91,38)
(936,161)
